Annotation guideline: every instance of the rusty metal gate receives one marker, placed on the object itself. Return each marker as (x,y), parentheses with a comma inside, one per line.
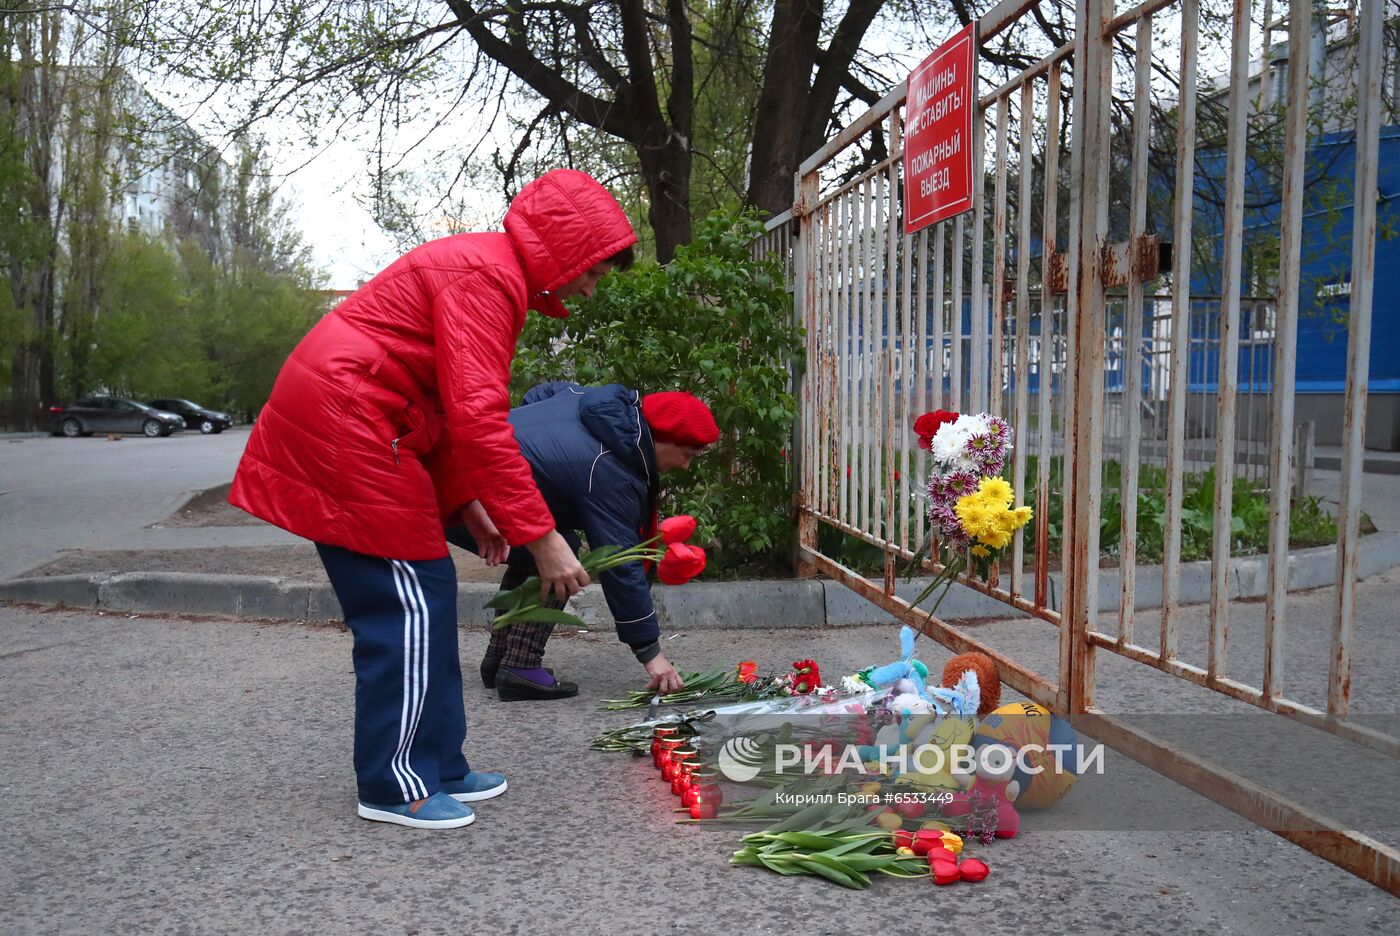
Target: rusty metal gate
(968,314)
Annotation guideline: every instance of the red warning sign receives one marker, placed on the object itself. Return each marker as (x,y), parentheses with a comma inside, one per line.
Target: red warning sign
(941,99)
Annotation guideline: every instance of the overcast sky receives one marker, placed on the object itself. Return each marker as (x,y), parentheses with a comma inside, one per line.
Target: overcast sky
(328,197)
(345,240)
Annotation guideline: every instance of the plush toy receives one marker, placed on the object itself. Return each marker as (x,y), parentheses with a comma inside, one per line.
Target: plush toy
(952,724)
(927,770)
(988,795)
(996,787)
(962,698)
(1029,730)
(988,682)
(906,675)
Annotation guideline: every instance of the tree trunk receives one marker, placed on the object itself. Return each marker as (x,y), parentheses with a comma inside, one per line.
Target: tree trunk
(20,404)
(779,118)
(666,170)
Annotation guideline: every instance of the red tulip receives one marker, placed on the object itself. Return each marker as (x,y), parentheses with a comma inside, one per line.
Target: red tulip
(944,872)
(748,672)
(676,529)
(926,842)
(972,869)
(807,678)
(680,564)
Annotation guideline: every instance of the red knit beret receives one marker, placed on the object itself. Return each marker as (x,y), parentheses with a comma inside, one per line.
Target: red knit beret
(679,418)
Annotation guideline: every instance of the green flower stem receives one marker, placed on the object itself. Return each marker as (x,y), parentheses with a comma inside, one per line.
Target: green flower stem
(717,685)
(942,582)
(523,604)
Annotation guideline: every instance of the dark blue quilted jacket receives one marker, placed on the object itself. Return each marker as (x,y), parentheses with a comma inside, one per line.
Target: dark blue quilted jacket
(594,461)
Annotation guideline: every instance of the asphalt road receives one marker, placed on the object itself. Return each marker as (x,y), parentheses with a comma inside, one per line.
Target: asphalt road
(58,493)
(193,776)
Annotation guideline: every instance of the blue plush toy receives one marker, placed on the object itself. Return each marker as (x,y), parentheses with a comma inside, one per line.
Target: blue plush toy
(906,677)
(904,670)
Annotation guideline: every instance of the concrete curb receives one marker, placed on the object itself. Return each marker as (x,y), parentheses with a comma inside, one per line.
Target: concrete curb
(802,603)
(1369,465)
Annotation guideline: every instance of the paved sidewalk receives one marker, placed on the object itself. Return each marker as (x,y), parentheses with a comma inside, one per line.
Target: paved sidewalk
(1380,495)
(179,776)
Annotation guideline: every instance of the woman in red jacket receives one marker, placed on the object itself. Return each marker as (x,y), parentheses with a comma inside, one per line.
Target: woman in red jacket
(390,419)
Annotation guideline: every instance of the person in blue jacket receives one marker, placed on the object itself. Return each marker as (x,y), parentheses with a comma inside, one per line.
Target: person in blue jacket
(597,454)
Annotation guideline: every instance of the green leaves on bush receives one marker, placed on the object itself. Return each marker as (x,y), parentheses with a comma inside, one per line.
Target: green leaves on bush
(715,323)
(1309,522)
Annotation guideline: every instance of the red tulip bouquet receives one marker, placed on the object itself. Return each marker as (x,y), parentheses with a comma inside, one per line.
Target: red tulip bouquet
(677,562)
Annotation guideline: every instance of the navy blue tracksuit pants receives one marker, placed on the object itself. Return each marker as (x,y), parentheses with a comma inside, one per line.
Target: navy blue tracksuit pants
(409,718)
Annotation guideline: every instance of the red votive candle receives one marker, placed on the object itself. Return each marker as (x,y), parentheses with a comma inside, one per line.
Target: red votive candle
(661,733)
(703,810)
(667,756)
(683,761)
(701,781)
(705,794)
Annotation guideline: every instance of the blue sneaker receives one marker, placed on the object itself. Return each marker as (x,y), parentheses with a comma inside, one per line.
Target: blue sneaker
(438,811)
(476,785)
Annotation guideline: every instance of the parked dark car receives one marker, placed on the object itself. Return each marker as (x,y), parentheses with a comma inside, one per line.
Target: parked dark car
(111,414)
(196,417)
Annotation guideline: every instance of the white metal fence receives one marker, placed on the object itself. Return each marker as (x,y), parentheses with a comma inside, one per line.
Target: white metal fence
(898,325)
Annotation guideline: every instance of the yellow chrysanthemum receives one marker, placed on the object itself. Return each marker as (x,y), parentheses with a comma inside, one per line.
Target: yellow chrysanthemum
(975,515)
(1008,521)
(996,538)
(997,490)
(987,515)
(981,552)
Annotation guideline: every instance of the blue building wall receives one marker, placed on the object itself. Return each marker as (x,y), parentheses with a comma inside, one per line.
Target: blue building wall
(1324,298)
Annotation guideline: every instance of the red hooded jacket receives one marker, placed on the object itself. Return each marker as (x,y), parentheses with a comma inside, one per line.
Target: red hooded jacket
(391,414)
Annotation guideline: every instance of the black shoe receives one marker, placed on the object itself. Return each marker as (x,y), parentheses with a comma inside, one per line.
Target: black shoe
(513,688)
(489,665)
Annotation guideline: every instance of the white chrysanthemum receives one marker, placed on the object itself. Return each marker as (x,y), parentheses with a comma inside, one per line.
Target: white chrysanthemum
(853,685)
(950,441)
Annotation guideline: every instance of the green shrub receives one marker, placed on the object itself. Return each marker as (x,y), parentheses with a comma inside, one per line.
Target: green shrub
(719,325)
(1309,522)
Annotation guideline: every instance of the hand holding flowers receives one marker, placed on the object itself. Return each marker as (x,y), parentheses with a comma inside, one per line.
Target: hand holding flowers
(677,563)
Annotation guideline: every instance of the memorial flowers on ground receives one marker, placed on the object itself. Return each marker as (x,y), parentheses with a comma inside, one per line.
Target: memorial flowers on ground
(853,786)
(742,683)
(909,821)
